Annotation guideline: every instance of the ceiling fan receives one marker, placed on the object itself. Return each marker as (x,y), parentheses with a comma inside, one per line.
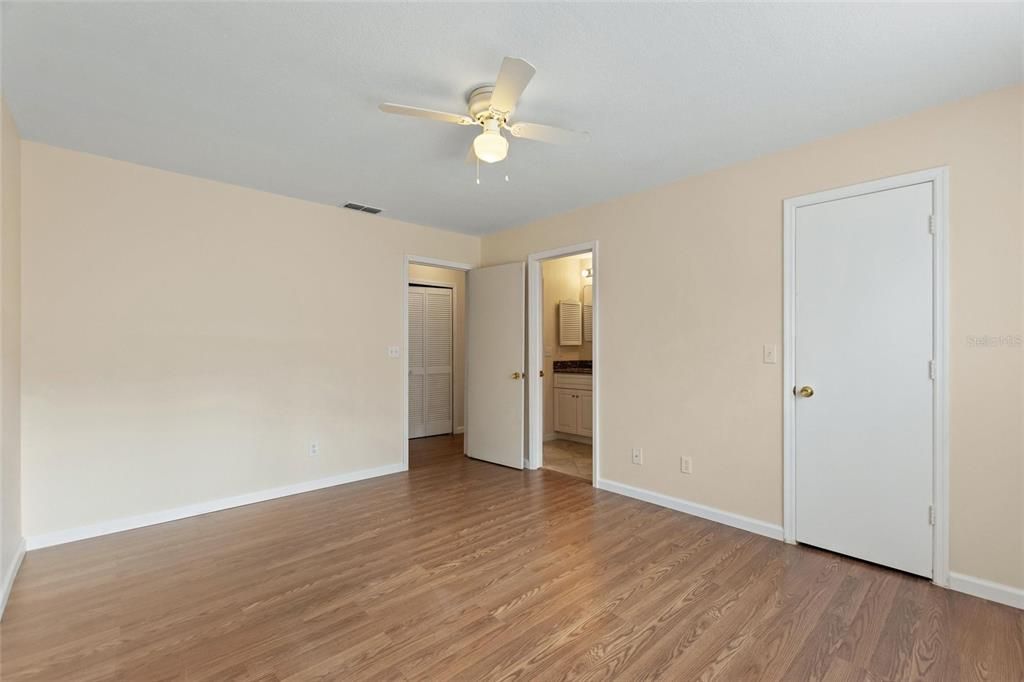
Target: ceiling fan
(490,106)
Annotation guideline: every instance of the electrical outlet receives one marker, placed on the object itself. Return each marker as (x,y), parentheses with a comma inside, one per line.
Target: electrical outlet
(686,465)
(771,354)
(393,352)
(638,455)
(314,449)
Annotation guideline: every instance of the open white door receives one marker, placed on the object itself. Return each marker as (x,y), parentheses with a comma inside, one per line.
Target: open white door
(495,362)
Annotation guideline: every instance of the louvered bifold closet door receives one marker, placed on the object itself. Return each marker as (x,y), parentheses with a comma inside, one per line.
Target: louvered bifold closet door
(430,361)
(417,373)
(438,361)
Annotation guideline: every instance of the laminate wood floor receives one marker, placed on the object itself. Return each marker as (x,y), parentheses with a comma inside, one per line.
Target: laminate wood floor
(462,570)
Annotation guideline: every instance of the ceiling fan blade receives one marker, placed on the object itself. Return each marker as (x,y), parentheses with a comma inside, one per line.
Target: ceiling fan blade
(419,112)
(514,76)
(549,134)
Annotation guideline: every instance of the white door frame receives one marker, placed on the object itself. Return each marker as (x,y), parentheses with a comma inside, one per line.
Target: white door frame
(406,262)
(939,177)
(535,352)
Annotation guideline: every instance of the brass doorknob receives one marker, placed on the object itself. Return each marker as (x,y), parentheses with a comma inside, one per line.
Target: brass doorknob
(517,375)
(806,392)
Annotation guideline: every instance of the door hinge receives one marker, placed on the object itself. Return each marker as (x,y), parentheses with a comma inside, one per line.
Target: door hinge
(931,224)
(931,370)
(931,515)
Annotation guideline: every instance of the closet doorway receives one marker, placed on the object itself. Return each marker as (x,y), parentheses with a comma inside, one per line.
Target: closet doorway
(434,367)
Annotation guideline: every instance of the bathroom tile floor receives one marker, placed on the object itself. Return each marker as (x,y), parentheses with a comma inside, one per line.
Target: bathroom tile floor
(569,457)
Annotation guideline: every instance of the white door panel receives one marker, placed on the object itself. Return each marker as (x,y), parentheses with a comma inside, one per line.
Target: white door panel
(863,320)
(496,350)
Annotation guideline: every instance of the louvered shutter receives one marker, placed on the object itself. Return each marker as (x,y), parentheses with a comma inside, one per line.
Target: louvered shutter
(570,323)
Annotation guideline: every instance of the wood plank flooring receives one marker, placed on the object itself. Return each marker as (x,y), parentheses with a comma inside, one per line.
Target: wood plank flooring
(462,570)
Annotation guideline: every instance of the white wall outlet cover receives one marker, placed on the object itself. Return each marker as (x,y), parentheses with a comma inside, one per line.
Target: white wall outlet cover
(686,465)
(638,455)
(771,354)
(393,352)
(314,449)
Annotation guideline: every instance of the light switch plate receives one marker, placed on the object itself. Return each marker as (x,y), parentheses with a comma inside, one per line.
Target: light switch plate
(638,455)
(771,354)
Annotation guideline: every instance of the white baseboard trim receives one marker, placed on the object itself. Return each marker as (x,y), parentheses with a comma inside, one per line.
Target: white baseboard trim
(710,513)
(10,573)
(986,589)
(131,522)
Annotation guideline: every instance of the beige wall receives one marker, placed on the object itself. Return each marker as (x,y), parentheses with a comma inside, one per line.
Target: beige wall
(691,287)
(10,344)
(561,281)
(457,280)
(185,340)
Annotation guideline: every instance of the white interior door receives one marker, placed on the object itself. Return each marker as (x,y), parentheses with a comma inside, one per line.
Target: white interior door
(863,320)
(430,361)
(495,362)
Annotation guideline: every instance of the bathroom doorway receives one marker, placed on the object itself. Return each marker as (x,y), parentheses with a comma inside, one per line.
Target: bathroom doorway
(562,345)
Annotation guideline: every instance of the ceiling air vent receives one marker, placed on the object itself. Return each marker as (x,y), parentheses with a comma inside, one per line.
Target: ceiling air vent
(360,207)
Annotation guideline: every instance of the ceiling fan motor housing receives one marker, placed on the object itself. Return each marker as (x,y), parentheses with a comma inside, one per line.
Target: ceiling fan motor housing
(479,101)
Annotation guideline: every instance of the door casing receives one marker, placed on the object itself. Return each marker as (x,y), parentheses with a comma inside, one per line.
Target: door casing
(939,177)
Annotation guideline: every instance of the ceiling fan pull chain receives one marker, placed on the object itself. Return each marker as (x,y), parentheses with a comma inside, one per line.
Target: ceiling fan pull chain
(478,171)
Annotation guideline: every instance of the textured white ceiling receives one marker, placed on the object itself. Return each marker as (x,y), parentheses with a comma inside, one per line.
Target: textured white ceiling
(282,97)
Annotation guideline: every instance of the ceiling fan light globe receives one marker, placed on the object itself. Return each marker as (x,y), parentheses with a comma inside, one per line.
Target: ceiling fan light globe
(490,147)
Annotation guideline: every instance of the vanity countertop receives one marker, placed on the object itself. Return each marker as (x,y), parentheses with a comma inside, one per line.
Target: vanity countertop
(574,367)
